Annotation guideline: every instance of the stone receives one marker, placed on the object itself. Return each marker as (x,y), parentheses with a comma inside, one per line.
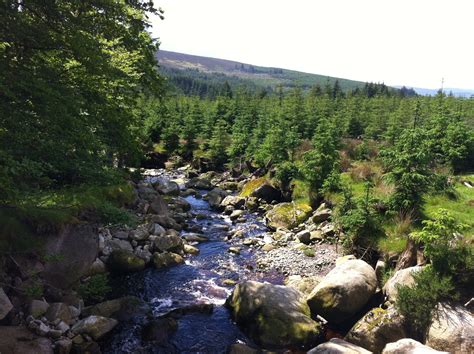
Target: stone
(166,187)
(215,197)
(451,329)
(234,250)
(78,245)
(5,304)
(63,327)
(267,193)
(303,284)
(63,346)
(191,249)
(117,244)
(287,215)
(159,206)
(343,259)
(160,330)
(233,201)
(304,237)
(321,215)
(38,308)
(144,254)
(166,259)
(199,183)
(43,330)
(141,233)
(401,277)
(377,328)
(121,234)
(98,267)
(273,315)
(95,326)
(409,346)
(59,310)
(157,229)
(193,237)
(19,340)
(316,235)
(380,268)
(344,291)
(121,309)
(170,243)
(338,346)
(122,261)
(268,247)
(328,230)
(240,348)
(236,214)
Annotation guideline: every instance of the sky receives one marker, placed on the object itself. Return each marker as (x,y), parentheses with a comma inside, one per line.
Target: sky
(416,43)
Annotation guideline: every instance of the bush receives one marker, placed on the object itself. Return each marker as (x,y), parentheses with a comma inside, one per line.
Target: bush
(111,215)
(418,302)
(95,289)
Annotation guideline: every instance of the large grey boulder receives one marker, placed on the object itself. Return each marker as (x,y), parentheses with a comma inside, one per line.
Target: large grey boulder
(409,346)
(338,346)
(119,245)
(19,340)
(344,291)
(166,187)
(122,261)
(377,328)
(267,193)
(452,329)
(5,304)
(273,315)
(78,246)
(403,277)
(215,197)
(168,243)
(94,326)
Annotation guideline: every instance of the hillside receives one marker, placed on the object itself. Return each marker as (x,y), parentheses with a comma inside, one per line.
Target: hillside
(206,69)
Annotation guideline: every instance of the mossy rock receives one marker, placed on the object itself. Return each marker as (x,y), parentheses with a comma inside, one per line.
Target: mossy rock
(252,185)
(287,215)
(122,261)
(274,316)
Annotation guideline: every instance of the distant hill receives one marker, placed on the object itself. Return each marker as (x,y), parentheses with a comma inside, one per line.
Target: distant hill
(455,91)
(206,71)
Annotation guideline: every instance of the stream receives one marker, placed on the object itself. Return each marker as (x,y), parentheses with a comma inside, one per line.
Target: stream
(198,281)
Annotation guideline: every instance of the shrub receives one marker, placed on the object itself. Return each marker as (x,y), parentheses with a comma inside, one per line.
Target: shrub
(95,289)
(111,215)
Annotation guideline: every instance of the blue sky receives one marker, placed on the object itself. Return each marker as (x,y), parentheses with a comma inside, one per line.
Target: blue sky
(403,42)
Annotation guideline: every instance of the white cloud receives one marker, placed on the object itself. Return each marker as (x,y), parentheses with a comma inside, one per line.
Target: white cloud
(406,42)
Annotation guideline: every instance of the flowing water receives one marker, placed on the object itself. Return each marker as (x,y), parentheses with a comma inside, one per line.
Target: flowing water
(198,281)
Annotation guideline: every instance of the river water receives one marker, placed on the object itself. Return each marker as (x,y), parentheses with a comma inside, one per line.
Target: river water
(198,281)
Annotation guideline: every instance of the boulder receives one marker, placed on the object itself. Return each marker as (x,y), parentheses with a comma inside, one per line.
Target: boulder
(344,291)
(321,215)
(38,308)
(59,310)
(159,331)
(199,183)
(273,315)
(240,348)
(97,267)
(338,346)
(191,249)
(168,243)
(166,259)
(121,309)
(181,203)
(267,193)
(141,233)
(166,187)
(19,340)
(94,326)
(125,261)
(343,259)
(409,346)
(233,200)
(215,197)
(236,214)
(377,328)
(5,304)
(159,206)
(451,329)
(78,246)
(166,221)
(193,237)
(401,277)
(157,229)
(303,284)
(63,346)
(119,245)
(287,215)
(304,237)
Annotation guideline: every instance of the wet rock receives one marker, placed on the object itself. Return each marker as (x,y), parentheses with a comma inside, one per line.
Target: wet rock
(273,315)
(234,250)
(193,237)
(166,187)
(38,308)
(59,310)
(343,291)
(19,340)
(95,326)
(239,348)
(287,215)
(409,346)
(121,309)
(166,259)
(451,329)
(236,214)
(304,237)
(234,201)
(191,249)
(123,261)
(338,346)
(400,278)
(160,330)
(377,328)
(168,243)
(5,304)
(181,204)
(215,197)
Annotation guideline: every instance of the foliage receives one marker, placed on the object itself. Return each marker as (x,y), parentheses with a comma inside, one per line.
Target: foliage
(417,303)
(95,289)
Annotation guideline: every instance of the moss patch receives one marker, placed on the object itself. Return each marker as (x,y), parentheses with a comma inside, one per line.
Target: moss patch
(288,215)
(252,185)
